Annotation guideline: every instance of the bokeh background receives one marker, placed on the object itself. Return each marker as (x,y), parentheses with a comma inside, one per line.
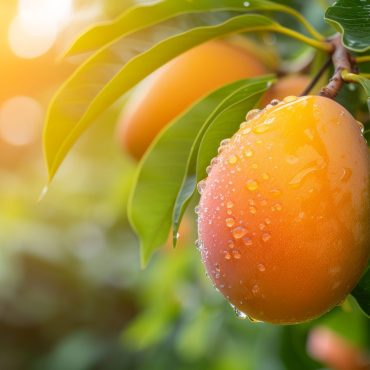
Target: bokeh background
(72,294)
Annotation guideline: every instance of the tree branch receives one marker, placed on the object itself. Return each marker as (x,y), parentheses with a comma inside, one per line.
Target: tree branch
(342,60)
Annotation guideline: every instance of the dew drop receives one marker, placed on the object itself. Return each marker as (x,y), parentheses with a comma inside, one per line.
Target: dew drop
(199,244)
(233,159)
(290,99)
(262,226)
(247,241)
(296,181)
(197,209)
(275,102)
(265,176)
(239,314)
(268,221)
(248,153)
(252,185)
(276,207)
(239,232)
(361,126)
(229,204)
(230,222)
(230,244)
(260,129)
(229,212)
(224,142)
(261,267)
(266,237)
(252,210)
(252,114)
(201,186)
(255,289)
(246,3)
(227,256)
(246,130)
(236,254)
(346,175)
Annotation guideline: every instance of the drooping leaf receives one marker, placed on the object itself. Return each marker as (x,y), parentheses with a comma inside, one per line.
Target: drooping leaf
(106,76)
(352,19)
(362,292)
(248,96)
(162,169)
(142,16)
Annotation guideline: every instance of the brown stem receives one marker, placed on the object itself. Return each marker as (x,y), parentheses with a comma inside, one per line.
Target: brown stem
(342,60)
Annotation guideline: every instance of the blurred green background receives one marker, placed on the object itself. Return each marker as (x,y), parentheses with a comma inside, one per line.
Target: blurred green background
(72,294)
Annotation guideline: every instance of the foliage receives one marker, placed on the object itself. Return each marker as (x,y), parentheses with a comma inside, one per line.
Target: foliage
(351,18)
(144,38)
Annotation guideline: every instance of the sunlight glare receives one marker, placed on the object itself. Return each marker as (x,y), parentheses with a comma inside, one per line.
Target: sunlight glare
(34,30)
(20,120)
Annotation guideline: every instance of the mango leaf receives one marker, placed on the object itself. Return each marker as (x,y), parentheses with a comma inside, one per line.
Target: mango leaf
(363,81)
(362,293)
(223,127)
(247,95)
(107,75)
(142,16)
(352,19)
(162,169)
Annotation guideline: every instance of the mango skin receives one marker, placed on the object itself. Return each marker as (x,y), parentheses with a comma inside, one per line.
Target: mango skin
(177,85)
(283,215)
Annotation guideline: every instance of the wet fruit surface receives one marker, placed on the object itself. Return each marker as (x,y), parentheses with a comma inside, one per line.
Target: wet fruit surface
(283,215)
(177,85)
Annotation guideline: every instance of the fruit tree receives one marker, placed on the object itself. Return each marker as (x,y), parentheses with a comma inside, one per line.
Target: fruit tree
(261,111)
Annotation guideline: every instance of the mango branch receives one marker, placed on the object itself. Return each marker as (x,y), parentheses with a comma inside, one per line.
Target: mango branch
(342,60)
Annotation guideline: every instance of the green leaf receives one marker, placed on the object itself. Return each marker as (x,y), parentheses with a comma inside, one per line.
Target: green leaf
(352,19)
(223,127)
(162,169)
(142,16)
(363,81)
(246,95)
(107,75)
(362,293)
